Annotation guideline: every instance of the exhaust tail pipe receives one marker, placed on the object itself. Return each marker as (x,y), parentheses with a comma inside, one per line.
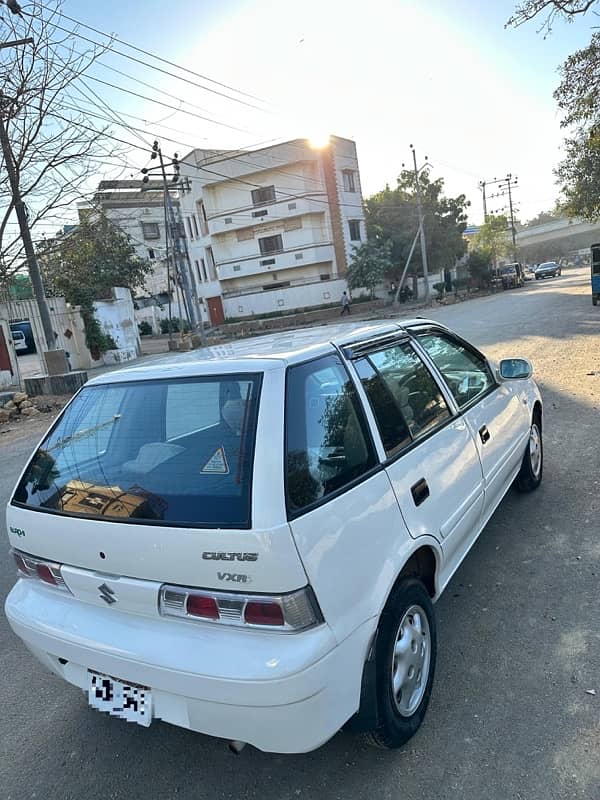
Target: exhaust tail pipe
(236,747)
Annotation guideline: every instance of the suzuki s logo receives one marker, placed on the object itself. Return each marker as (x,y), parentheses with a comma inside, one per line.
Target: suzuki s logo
(107,594)
(210,556)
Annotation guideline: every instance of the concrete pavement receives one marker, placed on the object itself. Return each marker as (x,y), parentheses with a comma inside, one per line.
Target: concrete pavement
(519,634)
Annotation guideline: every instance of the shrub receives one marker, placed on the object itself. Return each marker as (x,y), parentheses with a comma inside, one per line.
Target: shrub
(145,328)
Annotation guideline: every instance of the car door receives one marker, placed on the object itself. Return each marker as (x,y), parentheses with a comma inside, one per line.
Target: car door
(496,413)
(432,460)
(342,510)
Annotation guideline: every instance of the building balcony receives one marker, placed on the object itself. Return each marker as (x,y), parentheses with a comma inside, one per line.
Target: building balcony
(273,262)
(263,215)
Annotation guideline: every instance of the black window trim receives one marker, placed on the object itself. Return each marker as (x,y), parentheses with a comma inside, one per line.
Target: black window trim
(416,331)
(377,467)
(159,523)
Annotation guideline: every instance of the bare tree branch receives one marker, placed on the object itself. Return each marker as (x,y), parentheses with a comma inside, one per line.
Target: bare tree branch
(56,151)
(554,9)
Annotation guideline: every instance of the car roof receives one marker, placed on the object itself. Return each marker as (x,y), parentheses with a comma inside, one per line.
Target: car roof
(260,353)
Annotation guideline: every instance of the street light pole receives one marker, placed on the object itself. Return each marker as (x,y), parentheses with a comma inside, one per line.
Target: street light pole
(421,225)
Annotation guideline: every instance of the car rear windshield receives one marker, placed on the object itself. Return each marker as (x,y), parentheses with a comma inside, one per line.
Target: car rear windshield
(175,451)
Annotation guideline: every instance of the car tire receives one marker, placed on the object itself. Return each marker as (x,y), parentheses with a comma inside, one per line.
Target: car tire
(406,650)
(532,466)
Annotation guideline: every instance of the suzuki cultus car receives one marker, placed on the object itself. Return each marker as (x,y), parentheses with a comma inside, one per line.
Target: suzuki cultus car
(249,541)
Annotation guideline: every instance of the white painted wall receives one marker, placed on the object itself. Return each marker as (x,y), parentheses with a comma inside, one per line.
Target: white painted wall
(345,157)
(117,319)
(314,294)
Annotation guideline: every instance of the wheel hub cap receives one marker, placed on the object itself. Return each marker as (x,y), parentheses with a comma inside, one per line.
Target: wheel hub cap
(535,450)
(411,660)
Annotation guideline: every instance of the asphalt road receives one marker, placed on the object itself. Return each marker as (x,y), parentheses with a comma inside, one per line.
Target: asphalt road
(519,634)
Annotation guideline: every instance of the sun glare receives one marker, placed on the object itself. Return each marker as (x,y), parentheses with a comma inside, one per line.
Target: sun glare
(318,139)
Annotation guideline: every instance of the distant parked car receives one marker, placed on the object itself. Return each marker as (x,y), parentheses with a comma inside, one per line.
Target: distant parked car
(19,342)
(511,276)
(549,269)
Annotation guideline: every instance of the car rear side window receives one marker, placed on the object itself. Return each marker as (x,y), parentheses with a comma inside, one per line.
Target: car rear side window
(327,442)
(176,451)
(464,370)
(406,400)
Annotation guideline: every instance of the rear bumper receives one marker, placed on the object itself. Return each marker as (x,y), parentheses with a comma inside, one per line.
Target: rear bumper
(285,693)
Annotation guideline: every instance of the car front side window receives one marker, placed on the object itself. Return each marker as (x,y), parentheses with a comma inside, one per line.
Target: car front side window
(415,396)
(464,370)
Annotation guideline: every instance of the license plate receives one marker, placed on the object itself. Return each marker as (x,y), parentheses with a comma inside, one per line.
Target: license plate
(120,699)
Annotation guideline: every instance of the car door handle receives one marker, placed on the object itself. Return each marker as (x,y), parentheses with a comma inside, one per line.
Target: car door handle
(420,491)
(484,434)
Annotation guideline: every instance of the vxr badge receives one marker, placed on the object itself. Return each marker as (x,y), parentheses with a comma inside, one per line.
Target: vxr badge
(107,594)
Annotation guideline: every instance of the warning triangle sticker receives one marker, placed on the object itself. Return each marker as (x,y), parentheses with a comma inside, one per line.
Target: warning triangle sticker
(216,464)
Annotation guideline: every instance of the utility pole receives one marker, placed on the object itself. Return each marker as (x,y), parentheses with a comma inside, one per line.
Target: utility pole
(178,240)
(19,206)
(421,222)
(509,183)
(505,187)
(482,185)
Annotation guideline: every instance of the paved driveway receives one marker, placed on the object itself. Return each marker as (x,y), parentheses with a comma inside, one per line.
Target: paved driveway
(519,644)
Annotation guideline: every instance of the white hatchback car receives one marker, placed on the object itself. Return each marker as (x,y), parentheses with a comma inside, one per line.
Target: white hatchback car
(248,541)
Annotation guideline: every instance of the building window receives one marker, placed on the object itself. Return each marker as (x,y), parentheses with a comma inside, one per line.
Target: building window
(198,273)
(236,267)
(203,266)
(195,223)
(354,230)
(262,213)
(203,219)
(228,220)
(150,253)
(150,230)
(324,276)
(271,244)
(210,260)
(299,256)
(349,180)
(266,194)
(267,262)
(291,206)
(189,224)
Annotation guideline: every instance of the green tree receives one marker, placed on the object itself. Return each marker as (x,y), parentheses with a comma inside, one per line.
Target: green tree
(542,218)
(479,265)
(392,216)
(492,239)
(578,97)
(370,263)
(87,263)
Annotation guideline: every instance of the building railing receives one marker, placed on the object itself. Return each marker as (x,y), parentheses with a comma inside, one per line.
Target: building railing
(259,288)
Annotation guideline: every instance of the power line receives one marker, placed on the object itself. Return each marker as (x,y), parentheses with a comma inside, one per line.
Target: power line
(159,69)
(167,105)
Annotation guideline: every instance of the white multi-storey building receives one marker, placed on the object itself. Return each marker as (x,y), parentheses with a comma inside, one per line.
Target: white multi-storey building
(274,226)
(267,230)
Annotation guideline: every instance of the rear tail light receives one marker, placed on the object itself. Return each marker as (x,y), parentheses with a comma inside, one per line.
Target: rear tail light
(286,612)
(46,571)
(199,606)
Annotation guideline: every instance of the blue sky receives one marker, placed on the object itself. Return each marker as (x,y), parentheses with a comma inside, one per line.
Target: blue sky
(445,76)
